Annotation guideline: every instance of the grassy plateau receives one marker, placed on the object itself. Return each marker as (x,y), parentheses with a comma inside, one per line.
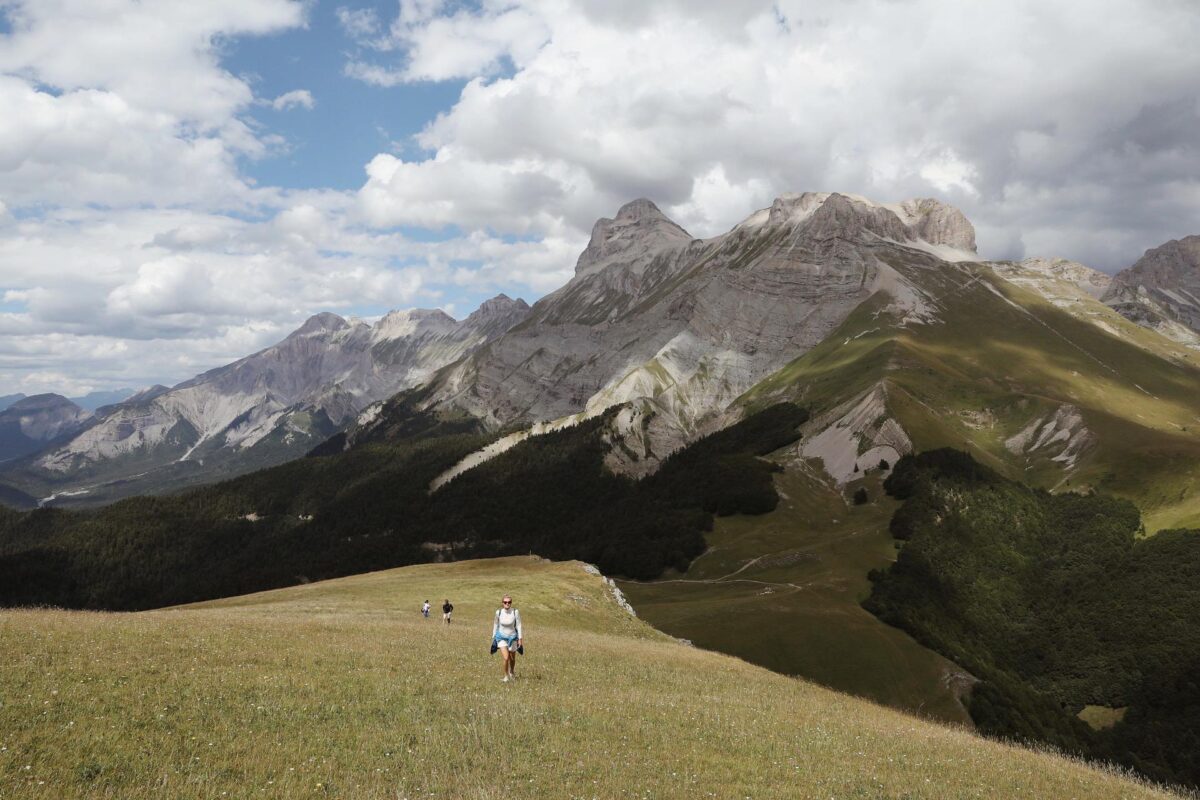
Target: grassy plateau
(342,689)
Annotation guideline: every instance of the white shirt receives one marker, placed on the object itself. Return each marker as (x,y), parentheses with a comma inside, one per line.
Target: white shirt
(508,623)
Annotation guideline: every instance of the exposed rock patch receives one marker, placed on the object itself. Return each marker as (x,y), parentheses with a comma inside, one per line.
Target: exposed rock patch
(1060,436)
(855,437)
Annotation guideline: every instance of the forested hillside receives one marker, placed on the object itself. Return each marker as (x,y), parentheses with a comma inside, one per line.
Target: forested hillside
(370,508)
(1058,602)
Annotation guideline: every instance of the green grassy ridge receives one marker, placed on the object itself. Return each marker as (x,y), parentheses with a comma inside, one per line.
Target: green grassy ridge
(982,354)
(1057,604)
(370,508)
(341,689)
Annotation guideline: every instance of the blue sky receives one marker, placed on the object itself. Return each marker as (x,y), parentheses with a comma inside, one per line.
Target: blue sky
(352,120)
(183,183)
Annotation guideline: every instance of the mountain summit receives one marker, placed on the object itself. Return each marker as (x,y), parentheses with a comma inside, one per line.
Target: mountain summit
(1162,290)
(31,423)
(638,231)
(679,327)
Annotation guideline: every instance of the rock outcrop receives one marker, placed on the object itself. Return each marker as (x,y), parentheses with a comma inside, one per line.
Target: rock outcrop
(937,223)
(1162,290)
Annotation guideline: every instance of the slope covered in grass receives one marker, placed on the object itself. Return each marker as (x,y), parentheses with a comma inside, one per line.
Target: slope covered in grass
(784,590)
(993,359)
(341,689)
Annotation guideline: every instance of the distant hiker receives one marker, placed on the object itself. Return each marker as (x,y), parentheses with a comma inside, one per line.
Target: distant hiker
(425,609)
(446,610)
(506,637)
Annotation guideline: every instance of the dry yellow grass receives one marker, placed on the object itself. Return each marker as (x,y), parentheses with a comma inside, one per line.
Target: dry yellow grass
(341,689)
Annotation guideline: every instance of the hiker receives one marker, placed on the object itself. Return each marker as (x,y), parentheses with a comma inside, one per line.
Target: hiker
(446,609)
(506,637)
(425,609)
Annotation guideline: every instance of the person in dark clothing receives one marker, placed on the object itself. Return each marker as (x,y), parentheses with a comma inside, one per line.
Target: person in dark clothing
(446,611)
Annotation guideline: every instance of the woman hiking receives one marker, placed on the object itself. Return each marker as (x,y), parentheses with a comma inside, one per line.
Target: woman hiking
(506,637)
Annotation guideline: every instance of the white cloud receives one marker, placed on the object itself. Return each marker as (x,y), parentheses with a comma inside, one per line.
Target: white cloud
(437,47)
(136,296)
(1054,126)
(360,24)
(133,244)
(297,98)
(121,102)
(161,55)
(91,146)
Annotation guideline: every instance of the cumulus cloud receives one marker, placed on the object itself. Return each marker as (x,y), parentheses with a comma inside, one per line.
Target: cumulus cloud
(297,98)
(440,47)
(360,24)
(144,295)
(125,102)
(1060,128)
(133,247)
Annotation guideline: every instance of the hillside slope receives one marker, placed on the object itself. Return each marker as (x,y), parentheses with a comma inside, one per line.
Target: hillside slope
(1046,394)
(341,689)
(800,573)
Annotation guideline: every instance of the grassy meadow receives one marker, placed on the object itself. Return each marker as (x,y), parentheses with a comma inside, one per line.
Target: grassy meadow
(784,590)
(342,689)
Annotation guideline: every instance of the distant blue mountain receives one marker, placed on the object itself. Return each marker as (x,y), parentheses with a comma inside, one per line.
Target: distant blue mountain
(94,400)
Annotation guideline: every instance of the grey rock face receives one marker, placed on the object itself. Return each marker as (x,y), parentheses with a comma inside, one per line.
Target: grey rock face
(1093,282)
(1162,290)
(680,327)
(289,395)
(937,223)
(638,230)
(30,423)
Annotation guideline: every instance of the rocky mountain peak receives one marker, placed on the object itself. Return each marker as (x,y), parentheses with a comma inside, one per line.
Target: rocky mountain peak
(410,322)
(1162,290)
(325,322)
(833,215)
(1174,263)
(1091,281)
(842,217)
(794,207)
(640,209)
(500,305)
(29,423)
(938,223)
(497,315)
(639,229)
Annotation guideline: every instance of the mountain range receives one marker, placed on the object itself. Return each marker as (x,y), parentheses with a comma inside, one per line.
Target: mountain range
(261,410)
(674,329)
(716,421)
(882,320)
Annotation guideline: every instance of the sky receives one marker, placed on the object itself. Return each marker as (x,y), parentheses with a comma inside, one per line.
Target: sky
(183,183)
